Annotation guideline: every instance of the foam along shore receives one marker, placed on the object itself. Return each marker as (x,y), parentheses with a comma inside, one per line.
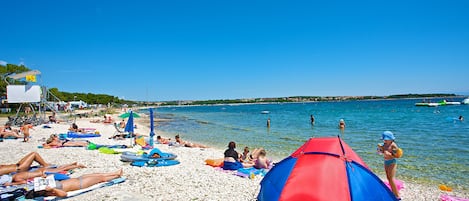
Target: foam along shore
(190,180)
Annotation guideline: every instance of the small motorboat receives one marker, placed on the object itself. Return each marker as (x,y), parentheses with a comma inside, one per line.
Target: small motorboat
(265,112)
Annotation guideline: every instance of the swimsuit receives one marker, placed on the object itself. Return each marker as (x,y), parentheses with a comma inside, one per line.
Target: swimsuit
(58,184)
(65,142)
(390,162)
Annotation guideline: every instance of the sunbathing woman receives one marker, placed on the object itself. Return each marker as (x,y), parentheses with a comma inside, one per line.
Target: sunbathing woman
(6,132)
(74,128)
(189,144)
(24,164)
(162,140)
(54,141)
(22,177)
(73,184)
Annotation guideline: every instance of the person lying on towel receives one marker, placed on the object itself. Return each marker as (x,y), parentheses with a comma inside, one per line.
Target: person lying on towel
(54,141)
(73,184)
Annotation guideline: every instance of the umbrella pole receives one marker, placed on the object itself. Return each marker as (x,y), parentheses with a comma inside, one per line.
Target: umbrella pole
(131,139)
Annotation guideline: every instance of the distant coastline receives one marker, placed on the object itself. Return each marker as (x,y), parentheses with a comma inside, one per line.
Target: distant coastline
(299,99)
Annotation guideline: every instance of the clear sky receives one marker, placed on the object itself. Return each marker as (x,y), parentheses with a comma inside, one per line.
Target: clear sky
(197,50)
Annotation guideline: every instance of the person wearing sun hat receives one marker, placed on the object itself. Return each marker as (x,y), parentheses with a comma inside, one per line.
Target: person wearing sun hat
(390,163)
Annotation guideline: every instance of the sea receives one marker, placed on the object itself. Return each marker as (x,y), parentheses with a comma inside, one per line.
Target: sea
(434,140)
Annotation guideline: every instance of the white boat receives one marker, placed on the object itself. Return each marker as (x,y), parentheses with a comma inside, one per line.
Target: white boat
(453,103)
(465,101)
(265,112)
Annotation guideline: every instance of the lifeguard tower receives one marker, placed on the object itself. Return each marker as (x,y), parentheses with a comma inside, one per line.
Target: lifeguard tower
(29,96)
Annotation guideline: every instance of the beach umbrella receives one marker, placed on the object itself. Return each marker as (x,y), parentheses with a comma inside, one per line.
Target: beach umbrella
(129,127)
(323,168)
(127,114)
(152,134)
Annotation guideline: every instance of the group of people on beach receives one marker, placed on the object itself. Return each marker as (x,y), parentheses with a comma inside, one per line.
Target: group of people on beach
(234,160)
(7,131)
(179,142)
(20,172)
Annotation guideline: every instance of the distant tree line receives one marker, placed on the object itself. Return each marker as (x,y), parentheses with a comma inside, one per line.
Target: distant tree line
(89,98)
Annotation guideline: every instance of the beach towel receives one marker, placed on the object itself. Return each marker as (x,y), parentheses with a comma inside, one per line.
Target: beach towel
(79,135)
(232,165)
(94,187)
(244,172)
(13,194)
(446,197)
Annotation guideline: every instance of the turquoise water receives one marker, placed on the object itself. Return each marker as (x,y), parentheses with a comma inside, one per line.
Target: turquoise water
(435,143)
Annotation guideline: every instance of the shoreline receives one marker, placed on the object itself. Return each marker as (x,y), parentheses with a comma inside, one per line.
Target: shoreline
(190,180)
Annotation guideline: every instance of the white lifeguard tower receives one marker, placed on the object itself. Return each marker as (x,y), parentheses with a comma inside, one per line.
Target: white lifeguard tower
(27,96)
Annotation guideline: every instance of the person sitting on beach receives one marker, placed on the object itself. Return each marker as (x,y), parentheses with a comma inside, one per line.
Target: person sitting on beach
(231,160)
(24,164)
(122,124)
(22,177)
(54,141)
(53,119)
(107,119)
(25,128)
(341,124)
(188,144)
(162,140)
(244,156)
(8,132)
(72,184)
(390,163)
(262,162)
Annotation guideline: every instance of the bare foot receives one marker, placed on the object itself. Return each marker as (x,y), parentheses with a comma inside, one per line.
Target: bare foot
(120,172)
(81,166)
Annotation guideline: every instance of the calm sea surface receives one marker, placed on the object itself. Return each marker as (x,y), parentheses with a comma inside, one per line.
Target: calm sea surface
(435,143)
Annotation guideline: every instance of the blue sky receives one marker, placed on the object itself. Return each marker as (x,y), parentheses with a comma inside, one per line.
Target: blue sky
(198,50)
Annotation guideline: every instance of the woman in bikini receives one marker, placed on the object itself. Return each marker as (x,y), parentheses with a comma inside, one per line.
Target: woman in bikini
(24,164)
(22,177)
(54,141)
(390,163)
(84,181)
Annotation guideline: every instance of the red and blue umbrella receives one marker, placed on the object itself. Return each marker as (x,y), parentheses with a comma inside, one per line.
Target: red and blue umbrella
(323,168)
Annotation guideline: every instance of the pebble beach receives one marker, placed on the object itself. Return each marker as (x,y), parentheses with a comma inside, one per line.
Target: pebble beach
(192,179)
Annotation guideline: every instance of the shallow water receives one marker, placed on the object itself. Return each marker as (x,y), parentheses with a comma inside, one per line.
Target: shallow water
(435,143)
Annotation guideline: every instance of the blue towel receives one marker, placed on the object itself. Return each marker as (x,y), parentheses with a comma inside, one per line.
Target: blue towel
(232,165)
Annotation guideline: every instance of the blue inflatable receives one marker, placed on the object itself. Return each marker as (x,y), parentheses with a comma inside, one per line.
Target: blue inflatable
(155,154)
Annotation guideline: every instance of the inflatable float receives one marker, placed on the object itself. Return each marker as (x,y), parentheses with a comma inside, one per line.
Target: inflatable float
(131,157)
(399,184)
(154,163)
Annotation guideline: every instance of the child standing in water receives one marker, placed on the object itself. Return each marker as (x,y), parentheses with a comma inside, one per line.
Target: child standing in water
(389,149)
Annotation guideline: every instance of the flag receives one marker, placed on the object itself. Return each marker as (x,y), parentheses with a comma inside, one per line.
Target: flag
(30,78)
